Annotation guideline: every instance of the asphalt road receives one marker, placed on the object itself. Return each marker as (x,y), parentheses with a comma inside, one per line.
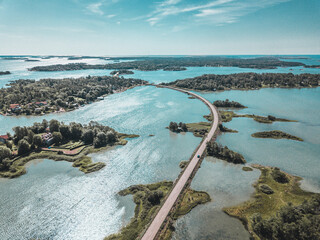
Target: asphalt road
(172,198)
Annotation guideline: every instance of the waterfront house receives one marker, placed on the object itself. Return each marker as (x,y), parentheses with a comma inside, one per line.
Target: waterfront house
(47,138)
(4,138)
(44,103)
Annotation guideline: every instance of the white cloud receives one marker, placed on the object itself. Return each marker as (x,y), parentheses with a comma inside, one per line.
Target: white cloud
(111,16)
(95,8)
(216,12)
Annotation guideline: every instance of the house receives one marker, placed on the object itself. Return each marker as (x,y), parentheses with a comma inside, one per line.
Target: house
(44,103)
(14,106)
(47,138)
(4,138)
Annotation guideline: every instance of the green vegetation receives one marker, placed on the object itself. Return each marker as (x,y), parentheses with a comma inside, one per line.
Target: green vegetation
(225,129)
(57,141)
(30,97)
(275,134)
(246,81)
(5,73)
(175,63)
(279,209)
(247,169)
(121,72)
(227,104)
(148,199)
(198,129)
(183,164)
(224,153)
(226,116)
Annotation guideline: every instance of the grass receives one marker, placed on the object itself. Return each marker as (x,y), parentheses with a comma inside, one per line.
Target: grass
(226,116)
(247,169)
(144,209)
(199,129)
(268,204)
(275,134)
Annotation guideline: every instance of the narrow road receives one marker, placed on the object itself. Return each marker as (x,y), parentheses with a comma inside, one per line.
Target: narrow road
(172,198)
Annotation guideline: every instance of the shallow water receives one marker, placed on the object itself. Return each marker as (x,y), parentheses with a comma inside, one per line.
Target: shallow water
(56,201)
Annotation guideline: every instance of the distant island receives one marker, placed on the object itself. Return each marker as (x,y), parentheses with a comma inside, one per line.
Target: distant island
(227,104)
(30,97)
(57,141)
(175,63)
(275,134)
(32,60)
(247,81)
(5,73)
(121,72)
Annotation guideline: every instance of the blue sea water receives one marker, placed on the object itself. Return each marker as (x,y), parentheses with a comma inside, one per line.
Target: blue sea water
(56,201)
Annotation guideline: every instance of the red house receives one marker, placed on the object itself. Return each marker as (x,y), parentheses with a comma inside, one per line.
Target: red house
(3,138)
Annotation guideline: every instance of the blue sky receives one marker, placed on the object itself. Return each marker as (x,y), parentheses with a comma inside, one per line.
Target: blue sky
(176,27)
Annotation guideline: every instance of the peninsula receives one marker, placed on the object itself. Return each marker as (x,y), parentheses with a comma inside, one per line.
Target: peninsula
(247,81)
(227,104)
(279,208)
(30,97)
(57,141)
(175,63)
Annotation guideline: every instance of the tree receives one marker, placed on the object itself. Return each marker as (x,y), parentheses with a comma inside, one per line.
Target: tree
(54,125)
(4,153)
(100,140)
(57,137)
(173,126)
(76,130)
(111,137)
(65,131)
(87,136)
(23,147)
(37,140)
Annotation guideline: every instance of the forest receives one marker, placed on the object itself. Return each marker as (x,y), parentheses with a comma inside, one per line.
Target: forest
(224,153)
(227,104)
(48,95)
(244,81)
(176,64)
(290,222)
(44,134)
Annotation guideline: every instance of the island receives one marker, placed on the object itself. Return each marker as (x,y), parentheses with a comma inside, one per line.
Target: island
(32,60)
(227,104)
(175,63)
(57,141)
(279,208)
(31,97)
(5,73)
(148,199)
(247,81)
(121,72)
(227,116)
(198,129)
(275,134)
(215,149)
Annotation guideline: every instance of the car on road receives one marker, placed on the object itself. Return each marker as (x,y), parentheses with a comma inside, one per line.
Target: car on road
(198,156)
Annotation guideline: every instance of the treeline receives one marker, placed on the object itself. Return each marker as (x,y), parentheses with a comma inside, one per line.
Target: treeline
(216,150)
(53,94)
(5,73)
(291,222)
(213,82)
(227,104)
(178,127)
(27,139)
(176,63)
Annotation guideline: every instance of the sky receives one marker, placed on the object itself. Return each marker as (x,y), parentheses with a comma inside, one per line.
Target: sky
(159,27)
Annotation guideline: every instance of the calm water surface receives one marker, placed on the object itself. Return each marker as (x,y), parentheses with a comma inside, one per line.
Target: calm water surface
(56,201)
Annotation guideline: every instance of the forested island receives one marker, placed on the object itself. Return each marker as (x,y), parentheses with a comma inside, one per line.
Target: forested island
(224,153)
(227,104)
(30,97)
(247,81)
(279,209)
(5,73)
(176,63)
(275,134)
(57,141)
(198,129)
(121,72)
